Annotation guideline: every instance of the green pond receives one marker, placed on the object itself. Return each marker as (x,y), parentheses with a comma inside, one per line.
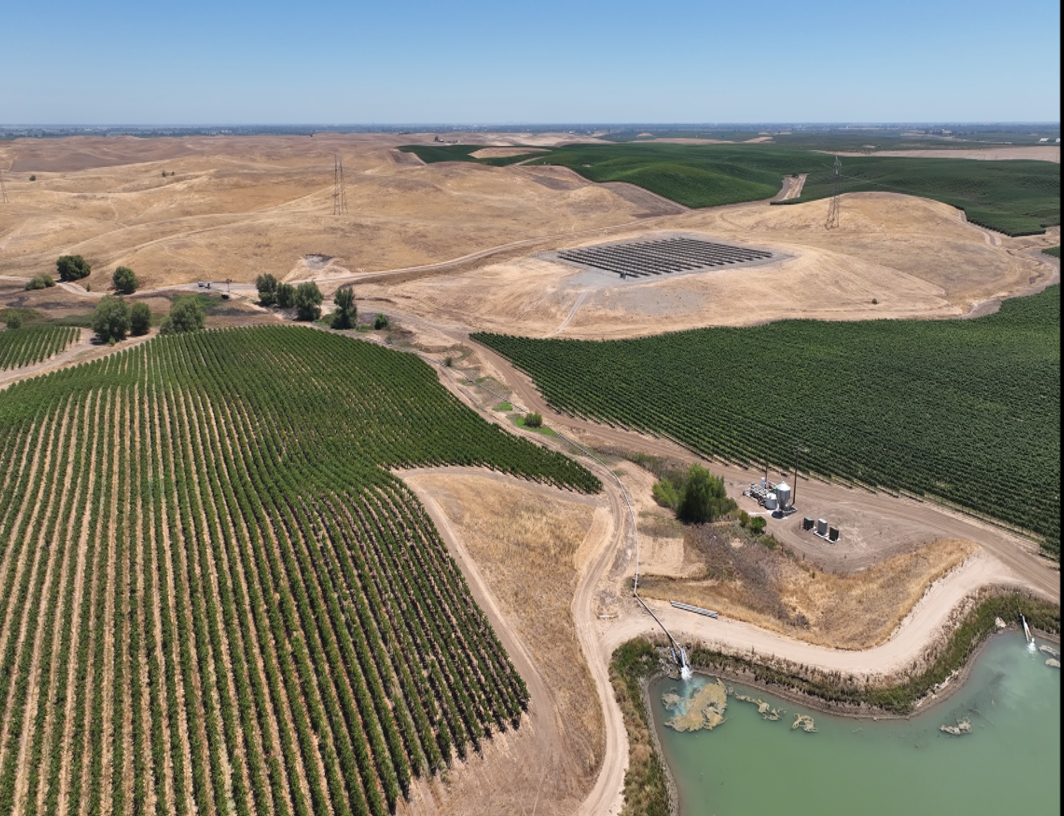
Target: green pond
(1008,764)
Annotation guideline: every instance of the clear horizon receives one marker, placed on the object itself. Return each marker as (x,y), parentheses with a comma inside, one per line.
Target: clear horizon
(244,63)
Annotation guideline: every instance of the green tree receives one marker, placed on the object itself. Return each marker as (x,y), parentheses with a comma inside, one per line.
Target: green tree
(380,321)
(267,286)
(110,320)
(186,315)
(285,295)
(124,280)
(533,420)
(139,319)
(308,301)
(346,310)
(72,267)
(704,498)
(757,524)
(14,319)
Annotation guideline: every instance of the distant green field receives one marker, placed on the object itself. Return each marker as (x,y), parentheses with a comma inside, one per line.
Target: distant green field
(1054,251)
(441,153)
(964,410)
(693,175)
(1013,197)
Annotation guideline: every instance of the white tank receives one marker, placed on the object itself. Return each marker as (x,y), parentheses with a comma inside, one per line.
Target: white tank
(783,493)
(762,482)
(770,502)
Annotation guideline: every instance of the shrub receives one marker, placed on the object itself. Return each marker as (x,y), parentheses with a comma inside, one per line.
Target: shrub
(346,310)
(664,494)
(139,319)
(744,518)
(40,282)
(186,315)
(110,320)
(124,280)
(533,420)
(703,497)
(72,267)
(308,301)
(14,320)
(285,296)
(33,178)
(757,524)
(380,321)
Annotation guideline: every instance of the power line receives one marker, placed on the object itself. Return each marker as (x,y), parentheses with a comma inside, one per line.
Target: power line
(833,208)
(339,186)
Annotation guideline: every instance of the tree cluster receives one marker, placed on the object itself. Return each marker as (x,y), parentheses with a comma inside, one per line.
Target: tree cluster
(697,496)
(72,267)
(346,312)
(113,319)
(274,293)
(186,315)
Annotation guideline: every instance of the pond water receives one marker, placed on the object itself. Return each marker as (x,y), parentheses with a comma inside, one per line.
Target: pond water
(1009,763)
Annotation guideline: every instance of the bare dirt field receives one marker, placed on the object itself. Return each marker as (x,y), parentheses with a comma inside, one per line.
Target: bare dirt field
(743,579)
(529,545)
(915,257)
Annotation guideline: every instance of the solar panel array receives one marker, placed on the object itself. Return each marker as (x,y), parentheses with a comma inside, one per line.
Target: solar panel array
(644,258)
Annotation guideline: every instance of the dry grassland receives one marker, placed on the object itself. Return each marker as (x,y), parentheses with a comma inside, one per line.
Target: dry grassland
(526,542)
(237,207)
(746,581)
(240,206)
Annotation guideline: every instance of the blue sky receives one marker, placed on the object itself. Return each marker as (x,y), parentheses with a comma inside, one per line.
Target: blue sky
(269,62)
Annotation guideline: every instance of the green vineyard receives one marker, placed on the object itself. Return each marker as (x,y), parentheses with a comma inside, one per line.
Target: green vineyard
(967,411)
(215,598)
(32,344)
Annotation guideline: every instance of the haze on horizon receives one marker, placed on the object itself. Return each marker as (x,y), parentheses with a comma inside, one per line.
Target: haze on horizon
(271,63)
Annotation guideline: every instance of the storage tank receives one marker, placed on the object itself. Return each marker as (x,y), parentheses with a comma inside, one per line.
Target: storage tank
(833,534)
(783,493)
(821,527)
(807,523)
(762,482)
(771,502)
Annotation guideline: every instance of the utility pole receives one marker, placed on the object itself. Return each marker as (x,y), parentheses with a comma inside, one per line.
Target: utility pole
(833,207)
(339,186)
(3,187)
(794,490)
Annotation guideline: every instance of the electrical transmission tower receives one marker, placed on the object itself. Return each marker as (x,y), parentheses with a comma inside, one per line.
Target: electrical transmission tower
(339,187)
(833,207)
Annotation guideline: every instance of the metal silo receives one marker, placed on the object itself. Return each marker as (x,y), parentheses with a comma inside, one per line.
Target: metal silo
(770,502)
(783,493)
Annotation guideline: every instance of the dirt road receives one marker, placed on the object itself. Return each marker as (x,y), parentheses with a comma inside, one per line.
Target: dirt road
(1018,554)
